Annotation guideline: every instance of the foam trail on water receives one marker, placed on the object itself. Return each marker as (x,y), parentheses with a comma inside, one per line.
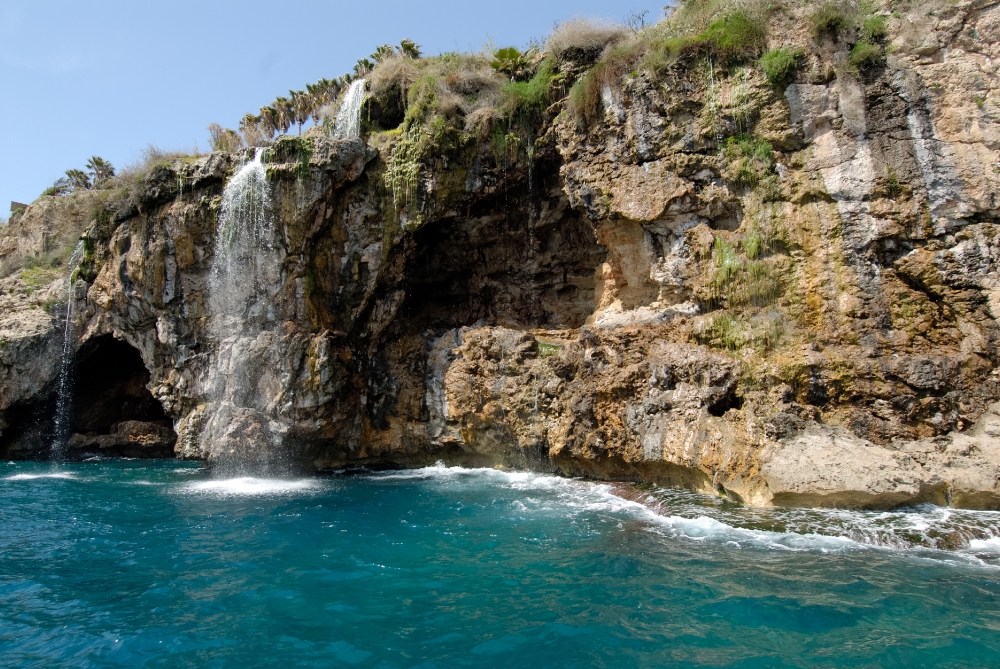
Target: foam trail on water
(678,514)
(248,486)
(348,123)
(33,477)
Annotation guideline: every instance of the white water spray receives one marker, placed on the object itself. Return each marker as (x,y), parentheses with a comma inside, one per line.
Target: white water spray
(348,124)
(244,278)
(64,398)
(243,266)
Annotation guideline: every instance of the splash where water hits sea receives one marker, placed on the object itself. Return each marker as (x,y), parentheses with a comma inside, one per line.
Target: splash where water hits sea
(129,563)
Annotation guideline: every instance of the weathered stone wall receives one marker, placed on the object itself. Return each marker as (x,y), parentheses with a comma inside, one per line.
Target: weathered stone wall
(577,314)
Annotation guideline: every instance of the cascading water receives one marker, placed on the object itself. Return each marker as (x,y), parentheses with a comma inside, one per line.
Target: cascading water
(242,435)
(348,124)
(244,245)
(64,397)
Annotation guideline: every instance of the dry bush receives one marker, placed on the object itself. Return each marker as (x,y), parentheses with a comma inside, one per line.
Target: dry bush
(449,88)
(481,121)
(582,37)
(695,16)
(394,74)
(224,139)
(129,182)
(472,78)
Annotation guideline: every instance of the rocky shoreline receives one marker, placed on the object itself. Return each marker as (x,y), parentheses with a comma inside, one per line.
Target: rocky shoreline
(617,303)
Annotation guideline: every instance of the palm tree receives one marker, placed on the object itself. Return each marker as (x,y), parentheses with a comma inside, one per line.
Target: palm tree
(100,169)
(363,67)
(78,179)
(302,107)
(282,114)
(409,49)
(267,123)
(382,52)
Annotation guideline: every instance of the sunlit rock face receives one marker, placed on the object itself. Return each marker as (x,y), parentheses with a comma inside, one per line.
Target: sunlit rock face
(624,304)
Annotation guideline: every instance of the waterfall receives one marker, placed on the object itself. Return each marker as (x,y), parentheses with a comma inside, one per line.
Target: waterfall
(64,393)
(244,245)
(242,435)
(348,124)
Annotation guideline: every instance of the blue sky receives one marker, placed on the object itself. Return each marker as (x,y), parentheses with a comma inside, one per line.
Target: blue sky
(109,78)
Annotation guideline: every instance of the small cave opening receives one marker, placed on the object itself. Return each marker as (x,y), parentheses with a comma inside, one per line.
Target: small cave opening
(113,412)
(730,400)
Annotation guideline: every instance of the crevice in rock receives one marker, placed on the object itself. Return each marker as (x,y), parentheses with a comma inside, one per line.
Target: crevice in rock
(730,400)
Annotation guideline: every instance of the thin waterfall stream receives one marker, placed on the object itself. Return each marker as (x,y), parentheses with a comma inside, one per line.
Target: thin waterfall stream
(348,123)
(242,432)
(64,394)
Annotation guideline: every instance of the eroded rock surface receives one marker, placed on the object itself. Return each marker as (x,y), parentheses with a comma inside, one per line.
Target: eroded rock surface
(627,305)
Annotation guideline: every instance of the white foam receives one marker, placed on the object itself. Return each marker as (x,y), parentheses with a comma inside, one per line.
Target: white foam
(249,486)
(991,545)
(684,515)
(47,475)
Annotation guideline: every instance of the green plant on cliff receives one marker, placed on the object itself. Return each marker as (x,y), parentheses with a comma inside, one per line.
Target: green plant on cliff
(779,65)
(747,280)
(726,32)
(511,62)
(38,276)
(748,160)
(522,106)
(874,28)
(403,167)
(724,331)
(830,18)
(864,56)
(892,186)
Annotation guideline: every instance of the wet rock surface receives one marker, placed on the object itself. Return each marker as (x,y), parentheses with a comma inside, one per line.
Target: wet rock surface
(568,314)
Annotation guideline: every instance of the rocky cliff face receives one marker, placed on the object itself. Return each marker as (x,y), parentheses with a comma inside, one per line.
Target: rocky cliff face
(643,298)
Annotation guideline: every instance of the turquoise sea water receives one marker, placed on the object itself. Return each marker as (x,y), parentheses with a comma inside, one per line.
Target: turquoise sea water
(128,563)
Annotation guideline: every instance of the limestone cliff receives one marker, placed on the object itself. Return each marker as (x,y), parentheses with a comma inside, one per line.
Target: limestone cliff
(785,291)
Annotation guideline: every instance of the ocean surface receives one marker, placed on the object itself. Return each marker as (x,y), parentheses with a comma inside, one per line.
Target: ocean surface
(138,563)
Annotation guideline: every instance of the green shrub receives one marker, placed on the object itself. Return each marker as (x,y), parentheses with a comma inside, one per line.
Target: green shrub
(830,18)
(735,36)
(873,28)
(864,56)
(779,65)
(892,186)
(525,97)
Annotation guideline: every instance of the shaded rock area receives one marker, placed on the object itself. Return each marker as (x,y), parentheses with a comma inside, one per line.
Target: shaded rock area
(633,299)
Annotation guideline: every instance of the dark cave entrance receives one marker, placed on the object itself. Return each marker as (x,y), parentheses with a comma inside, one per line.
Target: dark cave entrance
(114,413)
(502,271)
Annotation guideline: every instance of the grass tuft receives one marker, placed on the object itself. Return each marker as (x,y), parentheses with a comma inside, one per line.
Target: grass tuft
(830,19)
